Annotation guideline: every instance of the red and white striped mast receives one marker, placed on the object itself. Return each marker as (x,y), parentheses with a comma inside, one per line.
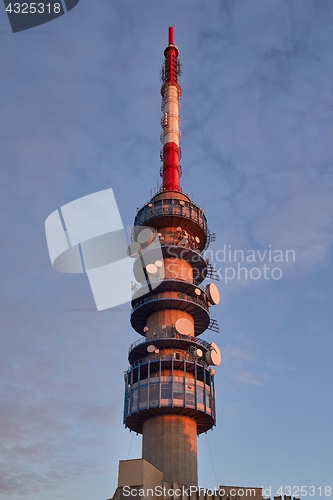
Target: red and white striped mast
(171,135)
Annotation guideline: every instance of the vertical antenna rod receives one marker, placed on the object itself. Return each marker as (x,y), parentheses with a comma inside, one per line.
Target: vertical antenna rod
(170,137)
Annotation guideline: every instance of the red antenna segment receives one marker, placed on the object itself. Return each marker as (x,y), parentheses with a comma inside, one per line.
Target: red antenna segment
(171,35)
(171,93)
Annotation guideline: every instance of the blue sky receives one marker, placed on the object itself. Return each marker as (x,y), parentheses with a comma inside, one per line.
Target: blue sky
(80,112)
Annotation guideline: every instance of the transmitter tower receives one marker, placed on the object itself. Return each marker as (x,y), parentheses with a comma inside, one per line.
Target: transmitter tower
(169,385)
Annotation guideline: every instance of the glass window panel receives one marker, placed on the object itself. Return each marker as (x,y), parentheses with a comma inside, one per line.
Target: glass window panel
(154,394)
(134,400)
(166,390)
(200,395)
(178,390)
(143,396)
(190,398)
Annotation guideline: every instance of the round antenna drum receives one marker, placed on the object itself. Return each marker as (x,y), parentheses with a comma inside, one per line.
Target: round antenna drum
(151,269)
(134,249)
(145,237)
(213,293)
(184,326)
(213,356)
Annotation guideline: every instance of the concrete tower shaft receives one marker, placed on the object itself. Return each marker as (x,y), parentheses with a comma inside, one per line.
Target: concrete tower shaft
(169,386)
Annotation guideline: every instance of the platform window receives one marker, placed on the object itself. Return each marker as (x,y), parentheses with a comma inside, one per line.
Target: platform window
(190,397)
(143,396)
(134,400)
(154,394)
(178,390)
(200,395)
(166,390)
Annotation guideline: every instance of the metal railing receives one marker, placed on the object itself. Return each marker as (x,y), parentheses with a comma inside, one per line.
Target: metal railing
(157,278)
(157,243)
(171,206)
(169,333)
(167,295)
(177,356)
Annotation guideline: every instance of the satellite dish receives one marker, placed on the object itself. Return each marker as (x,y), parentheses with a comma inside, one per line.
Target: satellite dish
(213,356)
(157,351)
(159,263)
(197,239)
(134,249)
(150,205)
(199,353)
(181,202)
(159,234)
(213,293)
(151,348)
(163,327)
(145,237)
(184,326)
(151,269)
(146,329)
(179,229)
(197,291)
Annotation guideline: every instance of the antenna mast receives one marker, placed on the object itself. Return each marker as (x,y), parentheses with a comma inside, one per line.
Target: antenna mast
(171,136)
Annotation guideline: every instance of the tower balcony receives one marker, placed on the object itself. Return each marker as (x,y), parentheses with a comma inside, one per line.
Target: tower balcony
(168,338)
(179,252)
(169,387)
(195,306)
(181,285)
(174,212)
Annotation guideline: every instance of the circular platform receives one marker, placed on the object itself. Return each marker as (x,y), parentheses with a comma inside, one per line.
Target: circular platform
(194,257)
(146,306)
(173,212)
(149,392)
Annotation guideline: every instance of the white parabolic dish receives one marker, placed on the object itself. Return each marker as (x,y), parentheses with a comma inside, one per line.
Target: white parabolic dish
(184,326)
(213,356)
(213,293)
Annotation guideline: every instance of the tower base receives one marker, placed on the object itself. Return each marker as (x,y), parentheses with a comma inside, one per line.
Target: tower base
(138,479)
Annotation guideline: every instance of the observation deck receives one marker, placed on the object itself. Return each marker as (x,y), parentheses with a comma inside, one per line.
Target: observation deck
(175,212)
(188,390)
